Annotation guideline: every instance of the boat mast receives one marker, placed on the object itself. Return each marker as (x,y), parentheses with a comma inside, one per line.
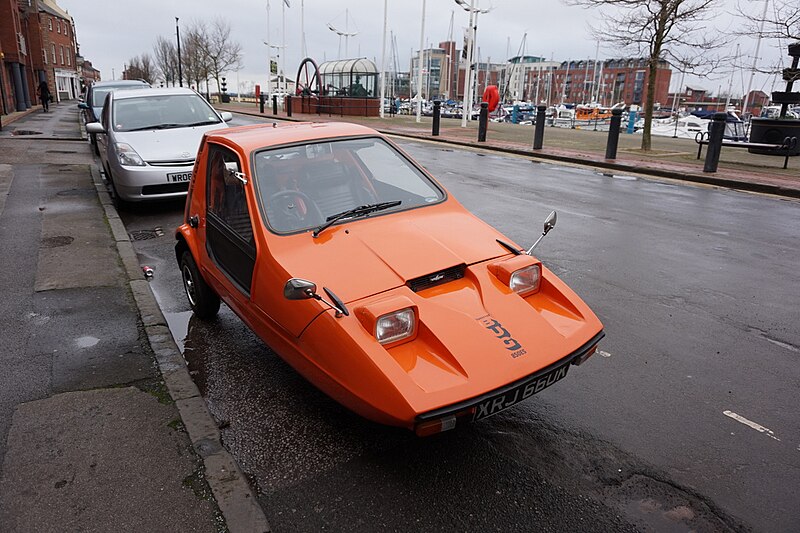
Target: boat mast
(755,58)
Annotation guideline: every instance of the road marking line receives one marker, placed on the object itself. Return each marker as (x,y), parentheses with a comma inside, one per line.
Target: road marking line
(750,423)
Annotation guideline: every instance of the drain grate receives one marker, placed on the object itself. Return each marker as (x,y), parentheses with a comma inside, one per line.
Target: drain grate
(145,234)
(25,132)
(55,242)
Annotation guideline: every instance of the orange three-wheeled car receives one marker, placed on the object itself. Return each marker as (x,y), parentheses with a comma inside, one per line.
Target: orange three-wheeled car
(351,262)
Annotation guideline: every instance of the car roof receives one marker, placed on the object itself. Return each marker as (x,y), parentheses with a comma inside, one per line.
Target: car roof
(120,83)
(254,137)
(165,91)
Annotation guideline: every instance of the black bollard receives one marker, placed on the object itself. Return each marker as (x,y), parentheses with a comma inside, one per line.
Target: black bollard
(483,122)
(613,133)
(288,105)
(437,114)
(538,132)
(274,104)
(261,102)
(715,134)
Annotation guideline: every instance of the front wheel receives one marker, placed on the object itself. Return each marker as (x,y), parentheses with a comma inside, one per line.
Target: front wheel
(204,302)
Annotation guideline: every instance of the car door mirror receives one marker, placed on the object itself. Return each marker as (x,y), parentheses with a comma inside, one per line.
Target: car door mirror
(550,222)
(299,289)
(95,127)
(232,173)
(226,116)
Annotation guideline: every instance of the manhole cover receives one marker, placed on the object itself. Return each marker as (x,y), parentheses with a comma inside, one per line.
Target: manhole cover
(25,132)
(55,242)
(145,234)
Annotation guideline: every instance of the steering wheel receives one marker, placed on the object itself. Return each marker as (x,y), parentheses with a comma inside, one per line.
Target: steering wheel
(291,216)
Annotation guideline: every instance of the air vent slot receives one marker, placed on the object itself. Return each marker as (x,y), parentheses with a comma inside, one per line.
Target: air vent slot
(437,278)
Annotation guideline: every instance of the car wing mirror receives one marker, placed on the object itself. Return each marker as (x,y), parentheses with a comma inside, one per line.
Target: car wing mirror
(232,170)
(95,127)
(549,224)
(302,289)
(226,116)
(299,289)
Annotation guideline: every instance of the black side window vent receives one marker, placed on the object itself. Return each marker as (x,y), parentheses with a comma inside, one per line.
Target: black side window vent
(437,278)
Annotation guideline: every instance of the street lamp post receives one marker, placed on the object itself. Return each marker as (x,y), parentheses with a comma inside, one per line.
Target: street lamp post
(419,65)
(180,66)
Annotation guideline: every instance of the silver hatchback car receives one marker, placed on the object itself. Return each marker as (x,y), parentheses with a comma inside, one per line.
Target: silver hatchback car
(148,140)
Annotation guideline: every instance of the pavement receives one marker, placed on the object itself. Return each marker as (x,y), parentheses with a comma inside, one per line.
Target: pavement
(101,426)
(668,158)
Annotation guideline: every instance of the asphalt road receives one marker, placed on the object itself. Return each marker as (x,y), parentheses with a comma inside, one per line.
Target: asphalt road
(687,418)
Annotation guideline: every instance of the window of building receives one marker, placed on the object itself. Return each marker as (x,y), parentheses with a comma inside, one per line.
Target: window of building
(44,55)
(61,53)
(50,24)
(69,59)
(53,52)
(58,26)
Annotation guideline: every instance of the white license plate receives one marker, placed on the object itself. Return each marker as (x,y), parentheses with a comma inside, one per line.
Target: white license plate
(179,176)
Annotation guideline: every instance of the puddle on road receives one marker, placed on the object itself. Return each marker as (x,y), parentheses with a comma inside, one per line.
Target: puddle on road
(86,342)
(178,324)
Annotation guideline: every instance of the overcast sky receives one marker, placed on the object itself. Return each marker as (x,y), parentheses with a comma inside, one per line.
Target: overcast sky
(110,32)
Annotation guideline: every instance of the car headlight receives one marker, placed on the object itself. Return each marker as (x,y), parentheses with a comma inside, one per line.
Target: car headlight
(395,326)
(526,280)
(127,156)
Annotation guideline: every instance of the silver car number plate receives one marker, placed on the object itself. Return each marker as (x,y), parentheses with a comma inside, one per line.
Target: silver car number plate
(179,176)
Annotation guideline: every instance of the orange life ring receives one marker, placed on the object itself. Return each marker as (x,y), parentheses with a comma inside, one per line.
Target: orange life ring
(492,97)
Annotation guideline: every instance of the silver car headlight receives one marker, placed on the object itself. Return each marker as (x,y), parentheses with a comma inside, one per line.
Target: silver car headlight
(396,326)
(526,280)
(127,156)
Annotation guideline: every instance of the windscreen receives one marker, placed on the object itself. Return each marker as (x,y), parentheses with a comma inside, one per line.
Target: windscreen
(162,112)
(301,186)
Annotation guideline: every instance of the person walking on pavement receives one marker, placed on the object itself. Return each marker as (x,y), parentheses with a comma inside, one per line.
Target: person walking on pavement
(44,95)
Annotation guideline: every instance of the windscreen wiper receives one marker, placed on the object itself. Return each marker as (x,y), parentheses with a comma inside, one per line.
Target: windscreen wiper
(355,212)
(156,127)
(201,123)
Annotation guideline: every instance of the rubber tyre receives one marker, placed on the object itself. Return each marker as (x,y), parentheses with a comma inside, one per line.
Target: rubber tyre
(202,298)
(119,203)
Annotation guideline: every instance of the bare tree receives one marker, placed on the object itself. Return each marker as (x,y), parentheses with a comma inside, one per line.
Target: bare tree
(776,20)
(221,52)
(165,55)
(658,29)
(141,68)
(782,21)
(195,61)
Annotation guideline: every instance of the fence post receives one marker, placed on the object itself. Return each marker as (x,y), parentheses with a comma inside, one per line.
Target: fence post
(437,114)
(715,134)
(613,133)
(288,100)
(483,120)
(261,102)
(274,104)
(515,114)
(538,132)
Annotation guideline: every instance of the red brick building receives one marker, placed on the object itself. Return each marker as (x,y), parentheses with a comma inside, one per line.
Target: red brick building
(37,43)
(606,82)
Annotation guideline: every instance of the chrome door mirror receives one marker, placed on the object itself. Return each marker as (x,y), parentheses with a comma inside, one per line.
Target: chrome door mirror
(95,127)
(299,289)
(550,222)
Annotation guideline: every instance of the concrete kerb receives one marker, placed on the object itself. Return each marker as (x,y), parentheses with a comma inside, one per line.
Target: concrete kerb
(231,490)
(601,163)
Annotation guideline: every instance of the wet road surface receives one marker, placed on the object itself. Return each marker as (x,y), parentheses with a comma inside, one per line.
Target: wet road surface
(687,418)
